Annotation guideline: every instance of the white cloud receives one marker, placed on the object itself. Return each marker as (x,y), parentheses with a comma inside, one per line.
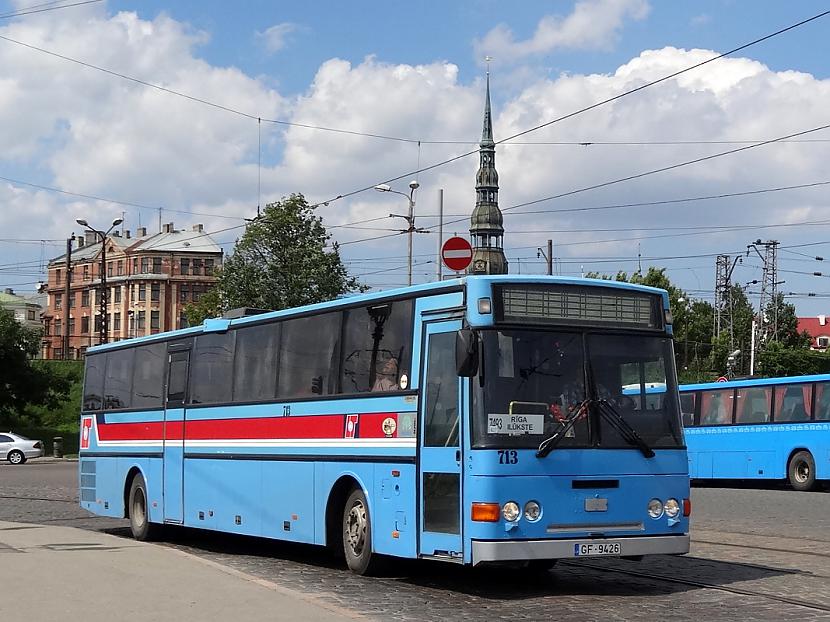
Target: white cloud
(275,38)
(592,24)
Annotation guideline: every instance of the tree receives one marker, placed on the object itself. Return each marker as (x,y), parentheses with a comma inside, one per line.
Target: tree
(787,321)
(284,259)
(23,383)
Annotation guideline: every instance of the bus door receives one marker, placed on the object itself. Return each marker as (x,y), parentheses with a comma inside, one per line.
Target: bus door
(440,444)
(174,416)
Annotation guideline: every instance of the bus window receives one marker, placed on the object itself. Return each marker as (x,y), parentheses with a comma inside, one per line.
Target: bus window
(823,401)
(753,405)
(119,379)
(716,407)
(211,368)
(94,381)
(379,335)
(441,408)
(148,375)
(255,364)
(308,356)
(793,402)
(687,408)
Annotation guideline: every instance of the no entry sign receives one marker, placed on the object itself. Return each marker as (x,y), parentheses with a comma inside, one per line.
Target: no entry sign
(456,253)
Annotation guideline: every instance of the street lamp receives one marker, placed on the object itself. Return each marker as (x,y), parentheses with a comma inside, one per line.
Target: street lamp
(410,218)
(104,298)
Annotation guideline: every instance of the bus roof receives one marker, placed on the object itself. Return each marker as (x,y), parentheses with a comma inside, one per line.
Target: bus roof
(414,291)
(754,382)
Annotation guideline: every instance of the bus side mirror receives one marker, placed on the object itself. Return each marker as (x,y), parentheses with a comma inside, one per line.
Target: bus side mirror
(466,352)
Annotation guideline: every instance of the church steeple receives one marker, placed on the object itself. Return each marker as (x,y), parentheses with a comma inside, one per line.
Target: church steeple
(486,223)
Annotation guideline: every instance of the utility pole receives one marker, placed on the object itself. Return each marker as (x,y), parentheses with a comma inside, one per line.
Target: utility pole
(67,292)
(548,256)
(767,326)
(104,298)
(438,262)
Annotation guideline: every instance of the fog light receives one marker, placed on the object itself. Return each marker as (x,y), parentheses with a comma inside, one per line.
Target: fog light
(484,306)
(510,511)
(533,511)
(655,508)
(672,508)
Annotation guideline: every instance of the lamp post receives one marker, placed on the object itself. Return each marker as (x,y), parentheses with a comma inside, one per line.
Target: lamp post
(104,298)
(410,218)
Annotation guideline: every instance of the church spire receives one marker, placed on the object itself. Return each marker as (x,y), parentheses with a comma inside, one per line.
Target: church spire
(486,223)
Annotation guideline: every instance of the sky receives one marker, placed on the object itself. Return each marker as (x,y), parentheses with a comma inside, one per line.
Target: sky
(86,135)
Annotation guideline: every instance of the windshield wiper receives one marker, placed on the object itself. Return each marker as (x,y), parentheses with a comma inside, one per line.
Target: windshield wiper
(612,416)
(550,443)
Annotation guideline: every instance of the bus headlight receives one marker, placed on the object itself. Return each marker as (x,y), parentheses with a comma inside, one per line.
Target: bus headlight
(533,511)
(510,511)
(672,508)
(655,508)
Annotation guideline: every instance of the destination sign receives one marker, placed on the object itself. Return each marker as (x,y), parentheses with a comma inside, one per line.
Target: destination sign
(573,304)
(515,425)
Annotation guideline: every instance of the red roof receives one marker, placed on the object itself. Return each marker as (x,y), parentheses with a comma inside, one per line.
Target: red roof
(815,327)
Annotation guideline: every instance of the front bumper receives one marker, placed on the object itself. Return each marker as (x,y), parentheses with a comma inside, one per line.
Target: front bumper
(524,550)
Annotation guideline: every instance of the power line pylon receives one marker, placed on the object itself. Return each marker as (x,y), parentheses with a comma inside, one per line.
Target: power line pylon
(724,266)
(767,324)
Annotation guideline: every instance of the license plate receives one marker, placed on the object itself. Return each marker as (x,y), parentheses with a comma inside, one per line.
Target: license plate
(593,549)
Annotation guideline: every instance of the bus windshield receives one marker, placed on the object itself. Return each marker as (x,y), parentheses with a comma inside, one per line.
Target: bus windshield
(534,380)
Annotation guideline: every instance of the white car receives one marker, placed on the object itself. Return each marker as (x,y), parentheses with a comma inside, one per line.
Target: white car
(17,449)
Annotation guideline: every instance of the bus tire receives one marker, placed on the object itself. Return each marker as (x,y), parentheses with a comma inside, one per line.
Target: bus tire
(801,471)
(357,535)
(140,525)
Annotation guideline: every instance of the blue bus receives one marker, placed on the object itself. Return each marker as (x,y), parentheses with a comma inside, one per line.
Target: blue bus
(478,420)
(770,428)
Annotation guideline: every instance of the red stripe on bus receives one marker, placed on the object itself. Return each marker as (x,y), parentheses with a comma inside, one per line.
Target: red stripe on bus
(305,427)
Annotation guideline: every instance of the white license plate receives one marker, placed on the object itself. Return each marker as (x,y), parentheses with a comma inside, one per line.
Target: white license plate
(593,549)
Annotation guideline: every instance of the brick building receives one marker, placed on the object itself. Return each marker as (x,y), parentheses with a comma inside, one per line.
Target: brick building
(150,279)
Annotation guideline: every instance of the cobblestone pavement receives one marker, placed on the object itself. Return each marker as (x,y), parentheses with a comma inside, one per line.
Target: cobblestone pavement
(760,554)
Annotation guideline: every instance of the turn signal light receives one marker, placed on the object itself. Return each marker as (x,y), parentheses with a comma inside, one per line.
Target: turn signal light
(687,507)
(486,512)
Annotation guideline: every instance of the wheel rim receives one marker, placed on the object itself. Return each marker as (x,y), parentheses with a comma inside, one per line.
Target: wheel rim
(16,457)
(139,512)
(802,471)
(356,524)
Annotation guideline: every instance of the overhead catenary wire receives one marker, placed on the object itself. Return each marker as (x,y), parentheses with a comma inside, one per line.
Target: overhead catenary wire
(44,7)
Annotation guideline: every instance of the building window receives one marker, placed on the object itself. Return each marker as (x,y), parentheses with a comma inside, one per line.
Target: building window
(156,265)
(142,293)
(116,321)
(85,325)
(823,342)
(154,320)
(120,267)
(71,301)
(47,325)
(184,264)
(30,314)
(145,265)
(184,293)
(70,327)
(197,267)
(208,267)
(86,272)
(116,294)
(58,353)
(140,319)
(58,276)
(97,323)
(135,266)
(155,288)
(109,268)
(58,301)
(58,331)
(85,298)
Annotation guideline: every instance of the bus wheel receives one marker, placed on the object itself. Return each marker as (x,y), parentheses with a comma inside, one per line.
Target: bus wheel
(357,534)
(801,471)
(140,524)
